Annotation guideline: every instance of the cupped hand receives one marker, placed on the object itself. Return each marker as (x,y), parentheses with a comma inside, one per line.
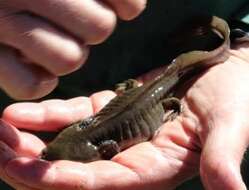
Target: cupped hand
(209,137)
(42,40)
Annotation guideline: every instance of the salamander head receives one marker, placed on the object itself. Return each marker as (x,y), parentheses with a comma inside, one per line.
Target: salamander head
(71,144)
(83,152)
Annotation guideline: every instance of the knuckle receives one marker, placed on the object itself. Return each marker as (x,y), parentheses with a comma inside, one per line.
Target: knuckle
(102,28)
(133,10)
(35,84)
(69,59)
(33,89)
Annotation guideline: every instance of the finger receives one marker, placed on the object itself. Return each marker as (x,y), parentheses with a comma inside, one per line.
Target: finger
(127,9)
(48,115)
(66,175)
(23,81)
(42,43)
(52,115)
(8,154)
(91,21)
(100,99)
(222,155)
(24,144)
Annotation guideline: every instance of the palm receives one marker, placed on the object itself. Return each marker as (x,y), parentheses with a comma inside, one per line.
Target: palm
(171,157)
(219,95)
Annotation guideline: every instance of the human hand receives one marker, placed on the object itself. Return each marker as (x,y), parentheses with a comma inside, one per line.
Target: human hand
(52,38)
(211,135)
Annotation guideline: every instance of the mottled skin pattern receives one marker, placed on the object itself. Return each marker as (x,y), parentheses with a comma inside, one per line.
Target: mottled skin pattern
(138,111)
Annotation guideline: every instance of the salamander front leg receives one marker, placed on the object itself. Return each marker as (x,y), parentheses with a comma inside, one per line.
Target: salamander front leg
(120,88)
(83,123)
(172,107)
(108,149)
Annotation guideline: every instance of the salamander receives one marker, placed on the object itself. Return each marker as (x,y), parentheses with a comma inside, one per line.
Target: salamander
(137,112)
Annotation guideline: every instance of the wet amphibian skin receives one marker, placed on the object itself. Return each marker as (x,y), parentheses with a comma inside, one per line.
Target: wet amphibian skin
(136,112)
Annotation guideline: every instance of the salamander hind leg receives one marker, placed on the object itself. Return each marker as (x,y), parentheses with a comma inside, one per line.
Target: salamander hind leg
(108,149)
(120,88)
(172,107)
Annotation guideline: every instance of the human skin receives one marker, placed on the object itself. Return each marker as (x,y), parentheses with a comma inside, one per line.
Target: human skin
(52,38)
(209,138)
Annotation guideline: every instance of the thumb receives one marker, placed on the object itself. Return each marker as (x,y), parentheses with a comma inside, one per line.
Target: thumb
(222,154)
